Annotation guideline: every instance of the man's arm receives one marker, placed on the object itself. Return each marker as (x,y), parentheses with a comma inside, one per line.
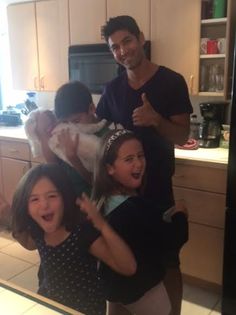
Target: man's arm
(175,130)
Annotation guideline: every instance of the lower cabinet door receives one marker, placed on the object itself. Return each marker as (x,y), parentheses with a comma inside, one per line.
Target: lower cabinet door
(202,256)
(12,171)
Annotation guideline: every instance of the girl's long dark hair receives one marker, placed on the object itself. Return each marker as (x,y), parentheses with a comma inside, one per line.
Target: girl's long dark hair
(21,220)
(104,185)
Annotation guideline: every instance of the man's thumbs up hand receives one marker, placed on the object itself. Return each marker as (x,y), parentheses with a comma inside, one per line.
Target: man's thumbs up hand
(145,115)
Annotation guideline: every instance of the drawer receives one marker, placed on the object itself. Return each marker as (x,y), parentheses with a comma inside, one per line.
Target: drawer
(15,149)
(198,177)
(204,207)
(202,256)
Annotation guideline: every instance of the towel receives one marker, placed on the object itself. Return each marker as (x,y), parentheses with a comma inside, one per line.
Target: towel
(88,145)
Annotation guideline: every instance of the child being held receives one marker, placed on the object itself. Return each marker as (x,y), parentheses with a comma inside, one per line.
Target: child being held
(74,122)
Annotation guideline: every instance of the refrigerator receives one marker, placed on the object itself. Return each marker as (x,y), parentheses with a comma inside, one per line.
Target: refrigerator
(229,265)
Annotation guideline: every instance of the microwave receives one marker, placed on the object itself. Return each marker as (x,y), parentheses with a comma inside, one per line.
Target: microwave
(94,65)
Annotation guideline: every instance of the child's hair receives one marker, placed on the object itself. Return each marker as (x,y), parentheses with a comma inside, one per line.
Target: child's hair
(72,98)
(118,23)
(21,220)
(104,184)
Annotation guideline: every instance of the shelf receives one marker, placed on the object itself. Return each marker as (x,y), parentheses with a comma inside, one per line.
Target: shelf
(211,94)
(214,21)
(212,56)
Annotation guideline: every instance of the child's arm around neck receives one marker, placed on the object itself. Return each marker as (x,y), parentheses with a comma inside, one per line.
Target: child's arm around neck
(109,247)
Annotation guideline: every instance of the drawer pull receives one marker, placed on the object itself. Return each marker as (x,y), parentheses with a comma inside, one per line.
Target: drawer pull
(25,169)
(178,176)
(13,151)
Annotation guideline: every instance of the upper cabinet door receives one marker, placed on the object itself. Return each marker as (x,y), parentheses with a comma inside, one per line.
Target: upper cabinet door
(139,10)
(175,37)
(86,19)
(53,43)
(23,46)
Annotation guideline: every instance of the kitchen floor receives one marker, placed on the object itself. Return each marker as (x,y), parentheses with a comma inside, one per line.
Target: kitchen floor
(20,267)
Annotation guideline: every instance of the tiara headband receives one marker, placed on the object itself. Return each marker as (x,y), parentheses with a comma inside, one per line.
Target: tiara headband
(115,136)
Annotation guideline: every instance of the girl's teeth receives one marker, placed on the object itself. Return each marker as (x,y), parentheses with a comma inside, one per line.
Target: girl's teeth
(48,217)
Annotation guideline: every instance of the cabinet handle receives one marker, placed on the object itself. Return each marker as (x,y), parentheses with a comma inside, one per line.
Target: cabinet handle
(42,83)
(36,83)
(178,176)
(24,170)
(191,84)
(14,151)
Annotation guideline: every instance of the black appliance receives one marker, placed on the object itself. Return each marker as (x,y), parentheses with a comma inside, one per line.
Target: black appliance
(94,65)
(229,268)
(213,115)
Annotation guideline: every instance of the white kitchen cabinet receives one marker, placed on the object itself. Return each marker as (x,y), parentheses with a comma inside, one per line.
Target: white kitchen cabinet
(39,40)
(203,188)
(1,185)
(15,160)
(23,46)
(139,10)
(175,37)
(53,43)
(86,19)
(13,170)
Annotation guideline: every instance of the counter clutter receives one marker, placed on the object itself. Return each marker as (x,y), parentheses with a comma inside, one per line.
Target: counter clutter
(216,155)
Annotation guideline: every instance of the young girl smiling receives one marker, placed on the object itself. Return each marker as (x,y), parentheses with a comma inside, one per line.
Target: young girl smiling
(45,217)
(119,174)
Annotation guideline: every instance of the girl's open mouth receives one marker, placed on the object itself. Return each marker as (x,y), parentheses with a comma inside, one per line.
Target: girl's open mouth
(48,217)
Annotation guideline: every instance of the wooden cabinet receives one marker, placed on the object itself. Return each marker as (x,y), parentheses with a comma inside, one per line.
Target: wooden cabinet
(139,10)
(216,61)
(23,46)
(175,36)
(1,185)
(203,188)
(39,40)
(53,43)
(15,160)
(86,19)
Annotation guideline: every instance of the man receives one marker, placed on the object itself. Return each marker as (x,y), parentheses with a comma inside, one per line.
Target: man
(152,101)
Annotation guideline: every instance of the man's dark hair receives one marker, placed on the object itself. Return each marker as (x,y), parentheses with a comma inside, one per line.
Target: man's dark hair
(118,23)
(72,98)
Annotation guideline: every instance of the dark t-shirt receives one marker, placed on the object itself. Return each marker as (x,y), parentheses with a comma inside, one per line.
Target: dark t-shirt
(167,92)
(142,227)
(70,272)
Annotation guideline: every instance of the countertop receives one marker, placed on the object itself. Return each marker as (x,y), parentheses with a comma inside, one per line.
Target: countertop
(217,157)
(18,301)
(13,133)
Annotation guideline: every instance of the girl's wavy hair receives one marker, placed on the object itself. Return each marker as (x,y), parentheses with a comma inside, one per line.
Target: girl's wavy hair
(21,220)
(104,185)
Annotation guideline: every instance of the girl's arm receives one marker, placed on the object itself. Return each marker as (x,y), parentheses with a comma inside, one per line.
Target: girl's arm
(109,247)
(25,239)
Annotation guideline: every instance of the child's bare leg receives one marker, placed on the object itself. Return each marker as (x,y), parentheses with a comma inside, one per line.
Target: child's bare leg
(174,287)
